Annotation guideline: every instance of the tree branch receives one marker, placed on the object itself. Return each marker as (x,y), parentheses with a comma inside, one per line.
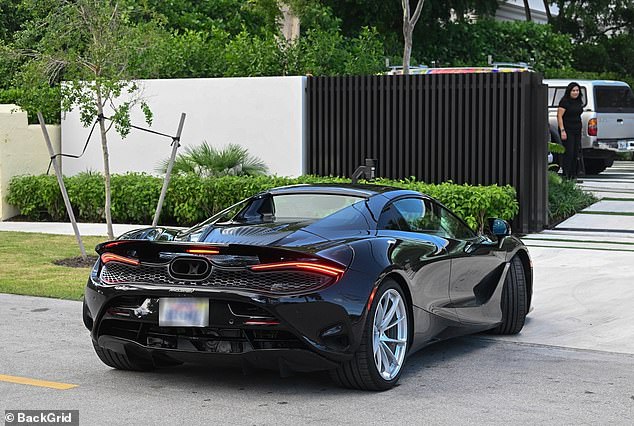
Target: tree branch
(417,11)
(405,4)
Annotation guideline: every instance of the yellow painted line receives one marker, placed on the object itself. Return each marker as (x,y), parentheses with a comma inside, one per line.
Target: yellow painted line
(35,382)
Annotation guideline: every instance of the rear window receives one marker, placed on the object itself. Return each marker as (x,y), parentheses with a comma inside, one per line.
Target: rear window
(284,208)
(614,99)
(556,93)
(310,206)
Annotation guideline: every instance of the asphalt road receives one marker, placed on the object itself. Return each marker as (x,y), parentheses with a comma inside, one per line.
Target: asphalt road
(474,380)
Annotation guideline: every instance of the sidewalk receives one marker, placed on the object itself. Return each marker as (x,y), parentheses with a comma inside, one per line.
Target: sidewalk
(85,229)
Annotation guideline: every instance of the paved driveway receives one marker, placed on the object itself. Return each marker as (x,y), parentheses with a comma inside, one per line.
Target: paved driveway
(473,380)
(584,277)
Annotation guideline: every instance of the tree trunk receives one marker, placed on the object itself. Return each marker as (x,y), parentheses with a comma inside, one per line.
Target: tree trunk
(407,50)
(409,22)
(527,9)
(106,163)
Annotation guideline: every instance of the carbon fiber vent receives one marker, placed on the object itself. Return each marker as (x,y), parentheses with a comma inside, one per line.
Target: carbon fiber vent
(279,282)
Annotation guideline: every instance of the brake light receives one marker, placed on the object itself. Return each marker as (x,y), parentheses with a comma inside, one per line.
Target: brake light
(262,322)
(111,257)
(592,127)
(305,266)
(114,243)
(203,251)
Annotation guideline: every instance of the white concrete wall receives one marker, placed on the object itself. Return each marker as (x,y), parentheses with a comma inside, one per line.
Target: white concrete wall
(22,151)
(263,114)
(513,10)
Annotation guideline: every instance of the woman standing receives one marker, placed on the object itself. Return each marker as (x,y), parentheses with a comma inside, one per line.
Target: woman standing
(569,121)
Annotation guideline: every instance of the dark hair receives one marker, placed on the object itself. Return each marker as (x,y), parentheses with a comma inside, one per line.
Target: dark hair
(569,89)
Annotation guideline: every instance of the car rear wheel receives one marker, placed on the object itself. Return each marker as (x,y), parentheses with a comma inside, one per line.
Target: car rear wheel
(514,300)
(121,361)
(378,362)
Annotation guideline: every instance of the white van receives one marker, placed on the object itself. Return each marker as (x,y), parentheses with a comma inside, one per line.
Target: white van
(607,119)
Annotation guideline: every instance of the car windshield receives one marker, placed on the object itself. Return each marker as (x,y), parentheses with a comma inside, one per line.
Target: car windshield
(614,99)
(285,208)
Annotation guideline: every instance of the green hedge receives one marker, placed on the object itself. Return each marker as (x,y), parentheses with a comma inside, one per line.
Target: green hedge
(192,199)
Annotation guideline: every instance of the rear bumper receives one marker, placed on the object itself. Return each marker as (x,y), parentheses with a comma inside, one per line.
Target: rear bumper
(613,145)
(305,333)
(284,360)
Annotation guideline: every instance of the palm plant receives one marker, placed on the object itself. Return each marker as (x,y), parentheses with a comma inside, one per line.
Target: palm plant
(205,160)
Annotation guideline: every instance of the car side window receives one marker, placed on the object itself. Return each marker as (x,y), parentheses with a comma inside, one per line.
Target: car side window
(391,219)
(556,93)
(425,216)
(452,226)
(410,214)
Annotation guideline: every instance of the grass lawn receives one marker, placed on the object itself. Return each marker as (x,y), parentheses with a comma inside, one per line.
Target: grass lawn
(26,264)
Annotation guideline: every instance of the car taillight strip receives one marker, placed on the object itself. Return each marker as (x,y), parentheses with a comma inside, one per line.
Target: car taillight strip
(262,322)
(203,251)
(312,267)
(111,257)
(114,243)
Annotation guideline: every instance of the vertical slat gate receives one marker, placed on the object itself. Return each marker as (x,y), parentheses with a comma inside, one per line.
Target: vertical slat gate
(481,128)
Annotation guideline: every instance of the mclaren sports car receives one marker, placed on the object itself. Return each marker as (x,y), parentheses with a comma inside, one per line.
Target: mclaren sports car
(345,278)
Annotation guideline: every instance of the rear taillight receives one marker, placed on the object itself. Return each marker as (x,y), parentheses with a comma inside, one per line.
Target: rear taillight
(592,127)
(303,266)
(261,322)
(111,257)
(203,251)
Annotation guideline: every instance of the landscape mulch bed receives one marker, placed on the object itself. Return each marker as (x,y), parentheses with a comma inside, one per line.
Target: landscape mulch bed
(76,262)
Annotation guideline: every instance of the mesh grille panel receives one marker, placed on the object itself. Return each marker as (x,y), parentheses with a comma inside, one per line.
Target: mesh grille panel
(283,282)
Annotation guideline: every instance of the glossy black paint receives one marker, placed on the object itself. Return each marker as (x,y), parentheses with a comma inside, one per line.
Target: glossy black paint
(453,286)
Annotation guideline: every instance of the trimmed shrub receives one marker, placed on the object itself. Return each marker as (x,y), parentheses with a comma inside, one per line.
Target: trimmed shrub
(565,198)
(192,199)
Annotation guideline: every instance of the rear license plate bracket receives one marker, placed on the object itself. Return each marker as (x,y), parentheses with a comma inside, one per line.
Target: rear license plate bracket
(183,312)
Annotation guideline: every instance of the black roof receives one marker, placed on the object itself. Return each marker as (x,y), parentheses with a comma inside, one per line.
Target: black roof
(355,190)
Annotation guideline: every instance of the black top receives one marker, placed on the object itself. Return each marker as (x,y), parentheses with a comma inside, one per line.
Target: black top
(572,115)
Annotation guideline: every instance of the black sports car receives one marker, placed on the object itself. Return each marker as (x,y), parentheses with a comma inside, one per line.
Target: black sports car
(348,278)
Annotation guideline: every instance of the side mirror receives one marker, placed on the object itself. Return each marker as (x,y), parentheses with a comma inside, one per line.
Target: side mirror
(499,227)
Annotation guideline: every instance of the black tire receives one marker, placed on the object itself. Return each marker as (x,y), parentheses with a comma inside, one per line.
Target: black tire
(121,361)
(361,371)
(514,300)
(594,166)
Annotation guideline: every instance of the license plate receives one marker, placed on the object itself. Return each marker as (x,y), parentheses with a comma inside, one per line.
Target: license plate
(622,144)
(183,312)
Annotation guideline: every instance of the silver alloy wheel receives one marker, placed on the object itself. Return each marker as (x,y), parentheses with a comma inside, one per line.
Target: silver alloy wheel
(389,337)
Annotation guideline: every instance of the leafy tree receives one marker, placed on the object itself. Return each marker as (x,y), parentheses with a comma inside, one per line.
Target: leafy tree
(11,18)
(204,160)
(591,20)
(186,54)
(387,17)
(90,44)
(468,44)
(249,55)
(232,16)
